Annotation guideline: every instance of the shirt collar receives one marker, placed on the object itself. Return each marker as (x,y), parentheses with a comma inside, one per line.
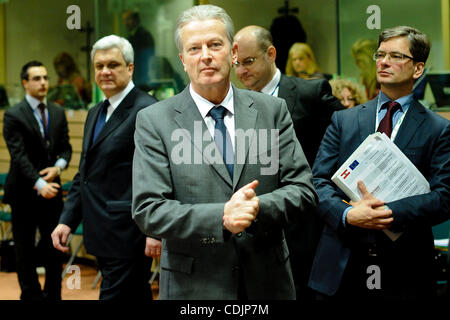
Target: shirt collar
(204,106)
(33,102)
(116,99)
(404,101)
(273,84)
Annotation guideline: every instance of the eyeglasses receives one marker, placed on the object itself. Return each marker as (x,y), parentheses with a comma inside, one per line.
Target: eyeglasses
(392,56)
(246,63)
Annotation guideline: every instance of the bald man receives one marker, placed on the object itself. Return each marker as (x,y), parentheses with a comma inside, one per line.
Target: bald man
(311,105)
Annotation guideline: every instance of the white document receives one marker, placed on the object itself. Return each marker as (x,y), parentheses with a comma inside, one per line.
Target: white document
(387,173)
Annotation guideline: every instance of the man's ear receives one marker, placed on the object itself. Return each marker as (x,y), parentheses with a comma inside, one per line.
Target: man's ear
(272,53)
(419,68)
(182,61)
(24,83)
(131,67)
(234,50)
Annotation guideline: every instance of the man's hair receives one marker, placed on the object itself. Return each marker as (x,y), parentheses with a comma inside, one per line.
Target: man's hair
(134,14)
(419,45)
(199,13)
(113,41)
(264,38)
(24,73)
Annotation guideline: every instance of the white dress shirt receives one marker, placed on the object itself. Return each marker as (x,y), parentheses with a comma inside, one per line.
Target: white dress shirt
(273,86)
(34,103)
(204,106)
(117,99)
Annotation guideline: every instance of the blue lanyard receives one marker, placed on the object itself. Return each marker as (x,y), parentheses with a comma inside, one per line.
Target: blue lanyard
(278,84)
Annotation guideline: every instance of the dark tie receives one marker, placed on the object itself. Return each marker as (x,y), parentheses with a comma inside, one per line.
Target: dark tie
(222,138)
(41,108)
(386,123)
(101,119)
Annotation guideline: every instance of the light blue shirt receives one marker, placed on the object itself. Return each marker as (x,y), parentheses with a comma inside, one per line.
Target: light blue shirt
(404,102)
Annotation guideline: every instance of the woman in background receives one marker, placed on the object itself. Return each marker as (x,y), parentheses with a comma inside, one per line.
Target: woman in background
(348,92)
(302,63)
(362,51)
(68,73)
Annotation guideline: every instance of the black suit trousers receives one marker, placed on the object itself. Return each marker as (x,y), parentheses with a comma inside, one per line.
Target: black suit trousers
(125,279)
(29,215)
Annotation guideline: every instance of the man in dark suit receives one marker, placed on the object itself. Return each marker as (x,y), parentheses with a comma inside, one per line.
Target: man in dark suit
(220,240)
(101,190)
(311,105)
(355,259)
(143,45)
(36,134)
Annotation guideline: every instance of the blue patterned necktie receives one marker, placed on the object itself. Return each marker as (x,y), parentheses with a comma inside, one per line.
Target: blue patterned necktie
(222,138)
(101,119)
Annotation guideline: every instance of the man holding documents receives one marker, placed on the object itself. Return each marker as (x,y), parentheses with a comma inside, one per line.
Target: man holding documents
(355,258)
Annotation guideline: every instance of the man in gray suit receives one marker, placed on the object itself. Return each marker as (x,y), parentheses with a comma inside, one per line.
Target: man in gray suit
(311,104)
(199,193)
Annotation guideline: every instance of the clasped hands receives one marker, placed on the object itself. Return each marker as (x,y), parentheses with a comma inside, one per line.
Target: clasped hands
(369,212)
(50,190)
(241,210)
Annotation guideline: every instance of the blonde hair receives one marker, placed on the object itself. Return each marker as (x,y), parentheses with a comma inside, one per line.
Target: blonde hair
(301,48)
(337,85)
(363,50)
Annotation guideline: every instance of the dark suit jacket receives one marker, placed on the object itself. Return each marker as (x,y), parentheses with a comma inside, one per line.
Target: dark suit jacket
(311,105)
(143,45)
(28,148)
(424,138)
(183,202)
(101,190)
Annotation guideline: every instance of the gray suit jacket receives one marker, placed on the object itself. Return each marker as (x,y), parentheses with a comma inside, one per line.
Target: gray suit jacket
(180,196)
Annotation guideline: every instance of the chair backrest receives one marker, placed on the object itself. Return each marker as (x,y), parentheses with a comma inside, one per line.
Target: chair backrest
(3,177)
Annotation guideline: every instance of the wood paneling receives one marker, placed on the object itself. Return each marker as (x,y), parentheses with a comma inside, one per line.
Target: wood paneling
(75,119)
(446,115)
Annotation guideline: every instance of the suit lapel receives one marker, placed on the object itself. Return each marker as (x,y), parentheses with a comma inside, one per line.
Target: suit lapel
(413,119)
(89,126)
(244,119)
(366,119)
(287,92)
(117,117)
(51,122)
(190,119)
